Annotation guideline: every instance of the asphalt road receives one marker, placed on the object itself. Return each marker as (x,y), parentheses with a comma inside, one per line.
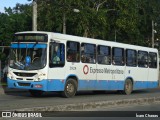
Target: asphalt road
(144,107)
(21,100)
(139,111)
(136,112)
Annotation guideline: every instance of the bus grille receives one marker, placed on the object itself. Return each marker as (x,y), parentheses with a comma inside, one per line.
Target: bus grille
(25,74)
(24,84)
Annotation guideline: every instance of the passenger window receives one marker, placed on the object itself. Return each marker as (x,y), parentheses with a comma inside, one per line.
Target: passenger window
(88,53)
(104,55)
(152,60)
(56,55)
(131,57)
(142,59)
(118,56)
(73,51)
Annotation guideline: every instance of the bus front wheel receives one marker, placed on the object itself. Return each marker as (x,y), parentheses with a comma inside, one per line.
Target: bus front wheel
(36,93)
(70,88)
(128,87)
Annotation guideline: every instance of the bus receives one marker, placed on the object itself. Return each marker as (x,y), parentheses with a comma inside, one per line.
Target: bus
(53,62)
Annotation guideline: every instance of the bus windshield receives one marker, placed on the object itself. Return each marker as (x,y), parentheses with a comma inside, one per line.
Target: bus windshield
(28,56)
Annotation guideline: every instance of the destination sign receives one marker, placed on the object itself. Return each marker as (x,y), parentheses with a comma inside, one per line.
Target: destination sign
(30,37)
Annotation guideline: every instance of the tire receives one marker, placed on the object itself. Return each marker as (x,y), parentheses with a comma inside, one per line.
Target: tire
(70,88)
(128,87)
(36,93)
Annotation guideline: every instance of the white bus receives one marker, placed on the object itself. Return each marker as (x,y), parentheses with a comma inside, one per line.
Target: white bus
(46,61)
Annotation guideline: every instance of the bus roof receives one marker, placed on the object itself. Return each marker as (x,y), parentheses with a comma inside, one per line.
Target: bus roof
(60,36)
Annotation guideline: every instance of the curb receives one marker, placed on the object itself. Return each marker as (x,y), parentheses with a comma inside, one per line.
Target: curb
(93,105)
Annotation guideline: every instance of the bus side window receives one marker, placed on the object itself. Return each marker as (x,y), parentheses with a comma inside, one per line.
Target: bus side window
(142,59)
(73,51)
(104,55)
(88,53)
(131,58)
(118,56)
(152,60)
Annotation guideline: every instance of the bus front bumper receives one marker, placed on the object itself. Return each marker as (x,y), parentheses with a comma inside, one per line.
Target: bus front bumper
(43,85)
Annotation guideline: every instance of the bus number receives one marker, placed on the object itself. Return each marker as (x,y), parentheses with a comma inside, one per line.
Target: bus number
(72,68)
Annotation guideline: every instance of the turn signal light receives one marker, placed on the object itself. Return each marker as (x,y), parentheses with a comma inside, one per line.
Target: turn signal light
(38,86)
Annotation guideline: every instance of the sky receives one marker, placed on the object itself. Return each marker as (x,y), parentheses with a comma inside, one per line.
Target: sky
(11,3)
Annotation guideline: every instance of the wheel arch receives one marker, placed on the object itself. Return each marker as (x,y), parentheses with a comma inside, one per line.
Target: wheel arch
(128,86)
(130,78)
(71,86)
(72,76)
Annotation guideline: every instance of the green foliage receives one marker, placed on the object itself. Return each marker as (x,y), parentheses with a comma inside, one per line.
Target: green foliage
(14,20)
(127,21)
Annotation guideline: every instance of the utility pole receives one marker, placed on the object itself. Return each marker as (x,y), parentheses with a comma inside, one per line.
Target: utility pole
(115,35)
(152,34)
(34,19)
(64,23)
(64,18)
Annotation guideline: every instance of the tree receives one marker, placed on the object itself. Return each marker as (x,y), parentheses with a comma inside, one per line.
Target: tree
(14,20)
(127,21)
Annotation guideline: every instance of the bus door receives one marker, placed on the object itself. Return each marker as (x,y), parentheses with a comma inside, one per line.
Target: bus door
(56,70)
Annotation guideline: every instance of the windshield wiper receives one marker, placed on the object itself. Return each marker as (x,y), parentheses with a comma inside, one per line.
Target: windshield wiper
(19,64)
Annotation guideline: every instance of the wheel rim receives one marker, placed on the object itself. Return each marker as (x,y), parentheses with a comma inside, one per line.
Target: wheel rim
(70,88)
(128,87)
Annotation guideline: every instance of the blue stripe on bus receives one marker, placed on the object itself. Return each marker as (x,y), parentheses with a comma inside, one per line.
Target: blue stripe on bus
(145,84)
(100,85)
(31,45)
(58,85)
(113,85)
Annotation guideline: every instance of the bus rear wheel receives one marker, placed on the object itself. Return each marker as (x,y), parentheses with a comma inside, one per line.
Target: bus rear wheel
(70,88)
(128,87)
(36,93)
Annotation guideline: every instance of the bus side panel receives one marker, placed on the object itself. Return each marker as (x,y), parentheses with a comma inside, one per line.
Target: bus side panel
(55,85)
(84,73)
(56,78)
(104,77)
(118,76)
(130,73)
(153,78)
(139,81)
(109,77)
(141,78)
(87,76)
